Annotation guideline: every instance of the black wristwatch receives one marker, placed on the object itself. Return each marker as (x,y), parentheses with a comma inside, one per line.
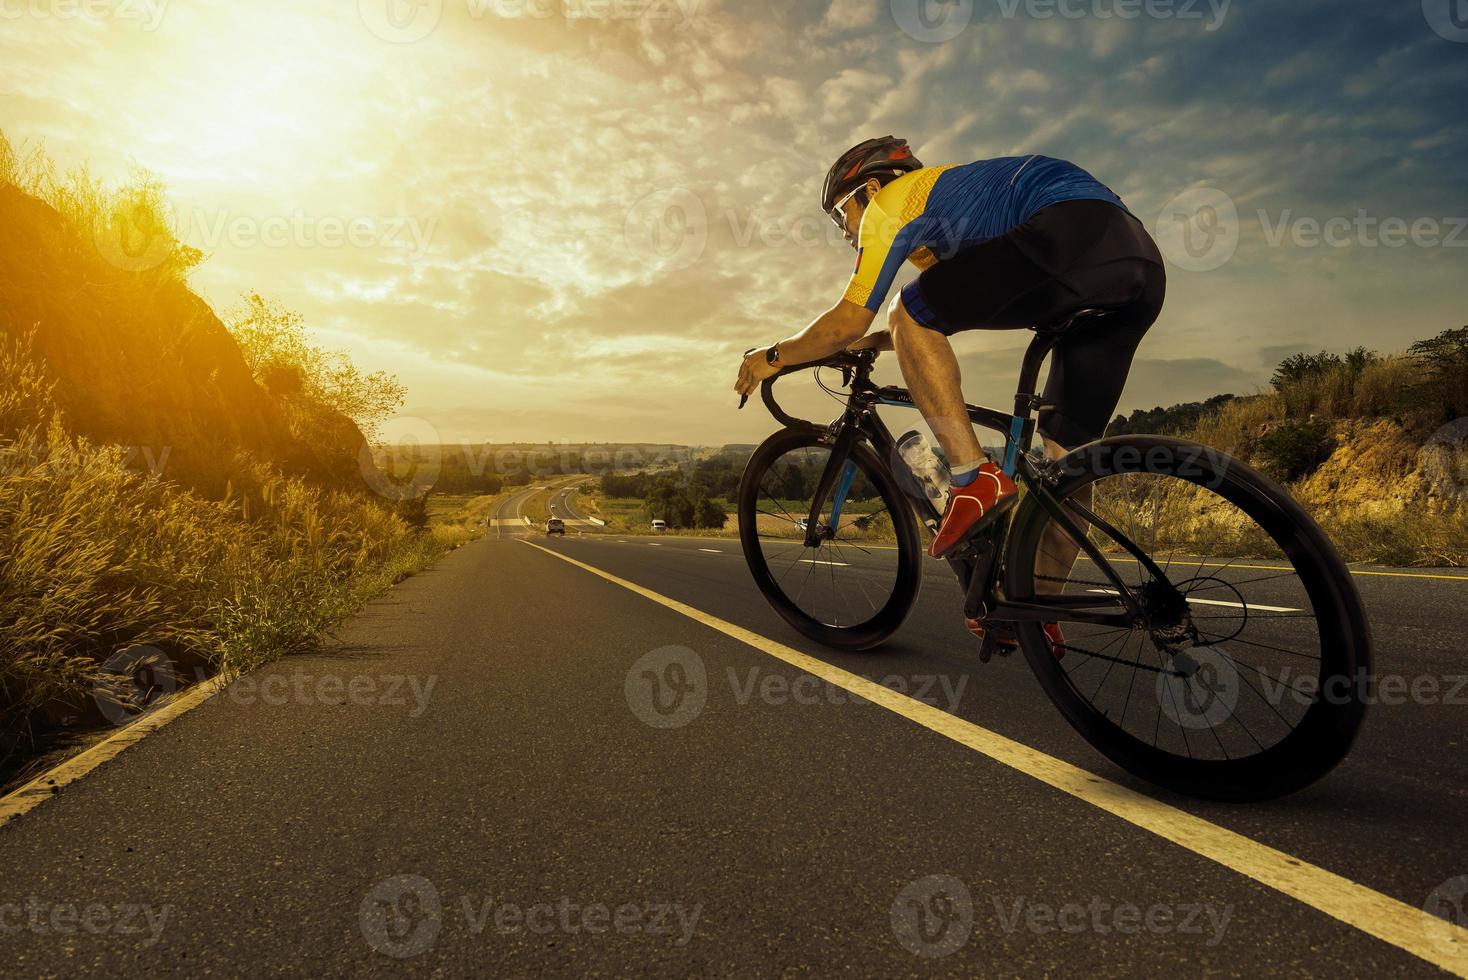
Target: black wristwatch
(772,354)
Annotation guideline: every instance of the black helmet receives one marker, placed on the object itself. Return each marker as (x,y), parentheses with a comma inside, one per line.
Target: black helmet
(880,156)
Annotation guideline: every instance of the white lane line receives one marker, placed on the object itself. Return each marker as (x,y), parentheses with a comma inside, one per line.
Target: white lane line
(654,544)
(1437,940)
(712,551)
(837,564)
(1219,602)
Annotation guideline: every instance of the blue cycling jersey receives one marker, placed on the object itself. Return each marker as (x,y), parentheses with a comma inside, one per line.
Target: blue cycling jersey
(937,211)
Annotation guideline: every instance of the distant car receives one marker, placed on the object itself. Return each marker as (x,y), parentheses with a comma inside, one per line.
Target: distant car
(555,526)
(660,525)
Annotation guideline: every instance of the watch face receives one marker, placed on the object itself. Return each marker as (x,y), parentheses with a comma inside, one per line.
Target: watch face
(773,354)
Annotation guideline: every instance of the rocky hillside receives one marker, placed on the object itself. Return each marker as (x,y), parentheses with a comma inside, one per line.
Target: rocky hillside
(140,361)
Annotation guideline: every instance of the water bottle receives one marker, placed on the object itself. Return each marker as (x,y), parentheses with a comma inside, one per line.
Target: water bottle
(926,465)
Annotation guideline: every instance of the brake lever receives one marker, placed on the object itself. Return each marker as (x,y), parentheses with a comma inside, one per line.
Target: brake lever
(744,399)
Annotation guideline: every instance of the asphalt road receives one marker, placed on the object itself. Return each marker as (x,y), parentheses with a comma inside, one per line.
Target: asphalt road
(478,782)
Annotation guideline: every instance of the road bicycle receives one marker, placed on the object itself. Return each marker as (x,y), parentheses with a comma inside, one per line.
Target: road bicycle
(1214,641)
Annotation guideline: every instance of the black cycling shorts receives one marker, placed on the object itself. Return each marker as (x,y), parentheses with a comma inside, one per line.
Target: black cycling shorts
(1070,256)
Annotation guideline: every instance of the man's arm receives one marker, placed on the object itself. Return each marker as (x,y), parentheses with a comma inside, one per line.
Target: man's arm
(834,330)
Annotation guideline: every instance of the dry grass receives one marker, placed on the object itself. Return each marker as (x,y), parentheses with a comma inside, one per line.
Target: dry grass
(102,559)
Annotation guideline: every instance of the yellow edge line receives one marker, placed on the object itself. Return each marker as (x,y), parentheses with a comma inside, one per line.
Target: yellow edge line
(49,783)
(1413,930)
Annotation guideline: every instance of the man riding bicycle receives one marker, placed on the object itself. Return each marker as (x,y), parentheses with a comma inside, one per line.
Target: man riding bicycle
(1005,243)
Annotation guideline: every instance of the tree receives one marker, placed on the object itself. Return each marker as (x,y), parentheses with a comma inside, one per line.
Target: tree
(709,514)
(273,340)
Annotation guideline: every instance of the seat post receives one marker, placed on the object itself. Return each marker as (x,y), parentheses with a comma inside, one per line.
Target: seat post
(1022,429)
(1029,374)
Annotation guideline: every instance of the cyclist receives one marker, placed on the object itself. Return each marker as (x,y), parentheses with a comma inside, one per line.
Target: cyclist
(1006,243)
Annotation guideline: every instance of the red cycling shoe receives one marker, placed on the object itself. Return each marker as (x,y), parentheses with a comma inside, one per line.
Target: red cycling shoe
(1005,638)
(969,507)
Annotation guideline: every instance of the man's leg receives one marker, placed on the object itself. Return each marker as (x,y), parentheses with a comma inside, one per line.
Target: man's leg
(930,370)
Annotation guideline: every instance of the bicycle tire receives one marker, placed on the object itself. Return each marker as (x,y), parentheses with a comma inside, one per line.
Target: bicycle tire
(894,612)
(1329,726)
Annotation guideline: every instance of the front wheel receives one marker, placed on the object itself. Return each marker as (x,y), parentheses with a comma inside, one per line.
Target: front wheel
(1235,661)
(855,588)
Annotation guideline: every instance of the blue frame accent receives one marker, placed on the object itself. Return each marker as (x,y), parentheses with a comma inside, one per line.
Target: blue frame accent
(1011,448)
(843,487)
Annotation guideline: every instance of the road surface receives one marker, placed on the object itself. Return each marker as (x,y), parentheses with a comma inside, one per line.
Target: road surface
(485,779)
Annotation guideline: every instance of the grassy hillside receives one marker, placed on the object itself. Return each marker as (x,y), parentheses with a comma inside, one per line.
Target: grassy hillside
(1373,445)
(177,497)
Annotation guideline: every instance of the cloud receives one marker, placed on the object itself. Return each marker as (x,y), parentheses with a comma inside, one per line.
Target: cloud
(548,303)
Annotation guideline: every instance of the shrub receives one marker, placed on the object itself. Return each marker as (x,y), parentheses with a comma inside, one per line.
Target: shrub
(1294,450)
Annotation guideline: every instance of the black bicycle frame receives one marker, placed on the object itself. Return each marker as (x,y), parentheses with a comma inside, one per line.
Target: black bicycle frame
(861,422)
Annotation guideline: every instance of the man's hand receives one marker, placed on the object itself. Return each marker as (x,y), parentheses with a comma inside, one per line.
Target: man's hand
(753,370)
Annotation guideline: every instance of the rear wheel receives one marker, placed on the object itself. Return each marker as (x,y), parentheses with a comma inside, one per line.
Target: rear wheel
(1243,673)
(857,585)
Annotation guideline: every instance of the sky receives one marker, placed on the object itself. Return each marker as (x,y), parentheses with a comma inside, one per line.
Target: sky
(567,219)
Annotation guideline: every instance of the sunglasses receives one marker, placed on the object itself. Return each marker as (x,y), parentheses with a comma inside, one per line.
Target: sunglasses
(838,210)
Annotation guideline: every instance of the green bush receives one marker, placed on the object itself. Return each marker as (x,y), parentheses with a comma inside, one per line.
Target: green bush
(1293,450)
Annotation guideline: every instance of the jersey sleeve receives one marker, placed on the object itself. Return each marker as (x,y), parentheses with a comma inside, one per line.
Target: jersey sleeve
(891,231)
(882,247)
